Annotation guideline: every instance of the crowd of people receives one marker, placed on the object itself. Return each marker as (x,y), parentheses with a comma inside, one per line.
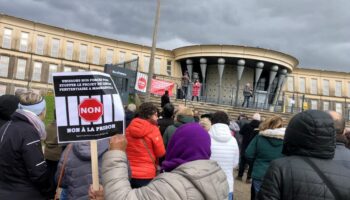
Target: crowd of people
(175,153)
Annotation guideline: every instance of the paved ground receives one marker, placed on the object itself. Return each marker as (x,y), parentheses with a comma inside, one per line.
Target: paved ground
(242,189)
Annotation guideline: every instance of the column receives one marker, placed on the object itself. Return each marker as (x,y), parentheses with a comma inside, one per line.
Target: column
(189,67)
(273,72)
(258,70)
(240,69)
(221,66)
(203,65)
(281,77)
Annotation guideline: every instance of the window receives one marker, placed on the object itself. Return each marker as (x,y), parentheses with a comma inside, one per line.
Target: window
(69,50)
(338,88)
(81,70)
(314,105)
(313,86)
(325,89)
(325,105)
(96,56)
(40,40)
(21,68)
(36,76)
(2,89)
(168,67)
(290,80)
(109,56)
(23,46)
(67,69)
(302,85)
(83,53)
(121,57)
(339,108)
(146,60)
(4,65)
(157,66)
(133,65)
(7,38)
(55,45)
(52,69)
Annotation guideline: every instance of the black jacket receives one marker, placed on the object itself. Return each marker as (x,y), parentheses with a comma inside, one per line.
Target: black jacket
(248,131)
(164,100)
(23,171)
(8,105)
(311,135)
(164,123)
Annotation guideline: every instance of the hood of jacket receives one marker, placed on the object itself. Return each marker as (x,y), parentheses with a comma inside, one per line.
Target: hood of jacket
(312,134)
(207,177)
(138,128)
(220,132)
(274,136)
(183,119)
(8,105)
(82,149)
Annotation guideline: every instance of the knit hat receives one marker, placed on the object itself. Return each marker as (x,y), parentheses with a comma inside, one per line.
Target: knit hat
(190,142)
(256,116)
(8,105)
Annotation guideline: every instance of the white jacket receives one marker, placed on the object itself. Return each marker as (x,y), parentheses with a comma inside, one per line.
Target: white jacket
(224,150)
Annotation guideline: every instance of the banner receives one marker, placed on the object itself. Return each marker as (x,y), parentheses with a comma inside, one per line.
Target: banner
(141,82)
(159,86)
(88,106)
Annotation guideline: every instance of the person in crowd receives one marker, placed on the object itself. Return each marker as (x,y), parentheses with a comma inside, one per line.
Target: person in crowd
(242,120)
(145,145)
(52,151)
(164,99)
(264,148)
(205,123)
(234,127)
(247,93)
(8,105)
(187,171)
(248,131)
(23,170)
(129,114)
(347,137)
(77,175)
(185,81)
(167,117)
(196,115)
(196,88)
(20,91)
(308,170)
(183,116)
(342,154)
(224,147)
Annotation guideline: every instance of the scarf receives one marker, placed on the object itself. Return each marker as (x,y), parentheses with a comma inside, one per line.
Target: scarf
(190,142)
(35,121)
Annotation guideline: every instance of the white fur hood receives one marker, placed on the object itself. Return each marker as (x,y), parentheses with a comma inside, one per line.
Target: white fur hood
(274,133)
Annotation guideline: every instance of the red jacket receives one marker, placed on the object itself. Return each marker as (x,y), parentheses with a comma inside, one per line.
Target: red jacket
(195,89)
(142,166)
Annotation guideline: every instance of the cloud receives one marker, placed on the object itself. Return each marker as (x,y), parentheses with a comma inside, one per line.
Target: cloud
(316,33)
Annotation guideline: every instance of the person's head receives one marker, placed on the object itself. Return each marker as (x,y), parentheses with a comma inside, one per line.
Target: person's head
(310,133)
(168,110)
(271,123)
(242,116)
(182,148)
(247,85)
(220,117)
(185,111)
(205,123)
(131,107)
(166,92)
(256,117)
(148,111)
(20,91)
(339,122)
(33,102)
(8,105)
(196,81)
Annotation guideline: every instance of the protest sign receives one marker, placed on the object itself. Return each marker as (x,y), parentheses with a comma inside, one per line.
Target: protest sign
(88,106)
(141,82)
(160,86)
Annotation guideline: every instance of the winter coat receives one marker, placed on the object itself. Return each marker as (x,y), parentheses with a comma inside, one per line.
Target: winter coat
(169,132)
(142,165)
(8,105)
(248,131)
(77,172)
(248,91)
(311,135)
(23,170)
(185,81)
(129,115)
(224,150)
(264,148)
(164,100)
(196,89)
(196,180)
(163,124)
(52,149)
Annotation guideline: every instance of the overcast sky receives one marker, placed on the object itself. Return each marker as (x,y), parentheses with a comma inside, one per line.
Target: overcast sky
(316,32)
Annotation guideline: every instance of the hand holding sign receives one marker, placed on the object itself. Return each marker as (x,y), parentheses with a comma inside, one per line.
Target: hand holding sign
(118,142)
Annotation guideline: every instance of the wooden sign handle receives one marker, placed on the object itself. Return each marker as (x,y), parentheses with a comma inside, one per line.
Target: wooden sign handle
(94,165)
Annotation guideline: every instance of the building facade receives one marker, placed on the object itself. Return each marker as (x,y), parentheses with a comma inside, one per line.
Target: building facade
(30,52)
